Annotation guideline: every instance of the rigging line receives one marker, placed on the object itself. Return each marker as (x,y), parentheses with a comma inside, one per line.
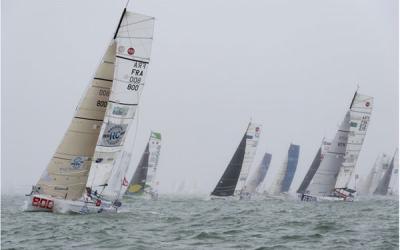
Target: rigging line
(141,21)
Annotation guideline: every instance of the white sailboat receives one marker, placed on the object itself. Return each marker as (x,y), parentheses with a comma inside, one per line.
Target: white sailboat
(394,181)
(87,172)
(383,187)
(371,182)
(233,180)
(144,179)
(331,180)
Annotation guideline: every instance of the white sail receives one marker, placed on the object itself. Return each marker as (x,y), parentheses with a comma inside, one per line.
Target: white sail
(252,137)
(66,174)
(277,184)
(360,112)
(394,181)
(154,155)
(133,47)
(374,176)
(324,179)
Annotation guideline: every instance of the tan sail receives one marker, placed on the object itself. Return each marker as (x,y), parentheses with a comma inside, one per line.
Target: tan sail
(67,172)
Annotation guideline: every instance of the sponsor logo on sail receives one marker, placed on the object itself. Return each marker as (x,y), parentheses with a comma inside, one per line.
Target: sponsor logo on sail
(131,51)
(77,162)
(353,124)
(257,132)
(113,134)
(122,111)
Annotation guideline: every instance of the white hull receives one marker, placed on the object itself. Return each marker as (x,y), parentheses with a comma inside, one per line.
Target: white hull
(307,197)
(232,197)
(45,203)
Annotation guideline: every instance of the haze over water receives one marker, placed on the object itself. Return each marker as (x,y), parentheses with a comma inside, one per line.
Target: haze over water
(179,222)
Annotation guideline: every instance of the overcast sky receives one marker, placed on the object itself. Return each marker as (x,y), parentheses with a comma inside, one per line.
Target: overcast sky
(291,65)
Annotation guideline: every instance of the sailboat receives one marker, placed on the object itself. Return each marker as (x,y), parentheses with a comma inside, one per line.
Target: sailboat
(323,149)
(286,173)
(383,185)
(143,180)
(87,173)
(259,175)
(394,180)
(375,175)
(332,178)
(233,180)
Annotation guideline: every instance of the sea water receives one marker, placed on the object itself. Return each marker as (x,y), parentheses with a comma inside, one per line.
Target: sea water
(184,222)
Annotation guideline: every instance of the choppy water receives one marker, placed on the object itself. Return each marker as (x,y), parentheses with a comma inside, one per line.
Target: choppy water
(196,223)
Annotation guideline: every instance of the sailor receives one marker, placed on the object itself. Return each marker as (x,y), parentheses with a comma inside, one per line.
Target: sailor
(89,192)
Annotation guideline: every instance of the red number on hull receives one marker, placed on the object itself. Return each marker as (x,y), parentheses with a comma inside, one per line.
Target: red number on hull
(42,203)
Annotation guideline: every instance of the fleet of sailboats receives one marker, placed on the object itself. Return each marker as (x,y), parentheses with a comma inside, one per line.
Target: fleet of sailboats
(88,173)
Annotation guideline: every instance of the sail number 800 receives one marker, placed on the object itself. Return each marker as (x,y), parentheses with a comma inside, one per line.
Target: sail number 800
(134,87)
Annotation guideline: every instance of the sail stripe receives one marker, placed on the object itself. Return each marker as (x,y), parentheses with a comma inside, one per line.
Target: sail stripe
(131,59)
(90,119)
(102,79)
(127,104)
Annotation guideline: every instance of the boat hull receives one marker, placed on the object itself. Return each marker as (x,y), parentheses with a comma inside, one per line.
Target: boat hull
(307,197)
(44,203)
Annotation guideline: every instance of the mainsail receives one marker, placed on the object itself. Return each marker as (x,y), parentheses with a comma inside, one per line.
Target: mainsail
(133,40)
(66,174)
(314,167)
(259,175)
(235,175)
(360,113)
(144,176)
(287,170)
(324,179)
(383,186)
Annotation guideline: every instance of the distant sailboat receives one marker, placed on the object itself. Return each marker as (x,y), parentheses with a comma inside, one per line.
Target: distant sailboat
(394,181)
(87,172)
(143,180)
(314,166)
(232,182)
(259,175)
(383,185)
(331,180)
(375,175)
(285,175)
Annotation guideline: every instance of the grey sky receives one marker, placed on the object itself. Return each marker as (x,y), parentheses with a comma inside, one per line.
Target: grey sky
(291,65)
